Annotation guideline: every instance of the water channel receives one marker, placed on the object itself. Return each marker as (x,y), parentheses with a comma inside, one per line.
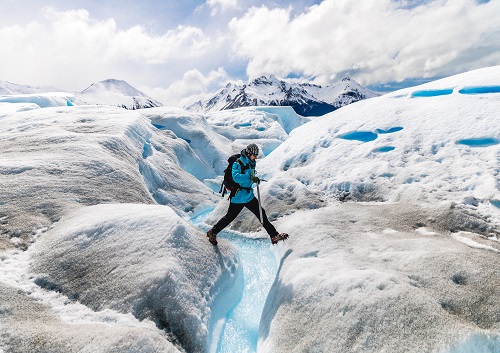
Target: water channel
(240,331)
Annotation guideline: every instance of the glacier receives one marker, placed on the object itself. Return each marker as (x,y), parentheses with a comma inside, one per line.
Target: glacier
(394,240)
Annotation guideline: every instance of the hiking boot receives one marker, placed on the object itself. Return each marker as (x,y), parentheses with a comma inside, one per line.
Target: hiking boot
(279,237)
(211,237)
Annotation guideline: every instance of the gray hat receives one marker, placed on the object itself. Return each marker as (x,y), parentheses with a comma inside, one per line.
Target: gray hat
(253,149)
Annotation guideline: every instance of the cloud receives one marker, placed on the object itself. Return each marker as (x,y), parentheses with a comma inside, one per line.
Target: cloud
(371,41)
(71,46)
(193,86)
(221,5)
(374,42)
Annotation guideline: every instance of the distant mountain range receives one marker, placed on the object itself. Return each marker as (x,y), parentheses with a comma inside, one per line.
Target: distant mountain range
(9,88)
(108,92)
(305,98)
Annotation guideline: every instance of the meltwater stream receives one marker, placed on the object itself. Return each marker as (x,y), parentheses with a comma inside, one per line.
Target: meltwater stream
(241,329)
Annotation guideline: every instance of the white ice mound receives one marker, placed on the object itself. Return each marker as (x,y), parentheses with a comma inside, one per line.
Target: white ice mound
(247,123)
(193,128)
(139,259)
(55,159)
(434,142)
(360,278)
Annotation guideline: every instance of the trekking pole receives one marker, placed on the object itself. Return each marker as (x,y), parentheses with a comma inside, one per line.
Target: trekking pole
(260,206)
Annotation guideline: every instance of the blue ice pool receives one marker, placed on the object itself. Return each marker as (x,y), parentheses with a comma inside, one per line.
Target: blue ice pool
(384,149)
(495,203)
(390,131)
(479,142)
(480,90)
(363,136)
(432,92)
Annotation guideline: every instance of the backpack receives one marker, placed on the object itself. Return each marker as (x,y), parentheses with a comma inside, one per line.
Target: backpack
(228,184)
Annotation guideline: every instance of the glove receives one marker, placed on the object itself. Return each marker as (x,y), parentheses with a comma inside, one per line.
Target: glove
(255,179)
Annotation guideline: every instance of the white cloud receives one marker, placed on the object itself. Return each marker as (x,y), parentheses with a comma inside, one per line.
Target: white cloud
(221,5)
(193,86)
(72,47)
(372,41)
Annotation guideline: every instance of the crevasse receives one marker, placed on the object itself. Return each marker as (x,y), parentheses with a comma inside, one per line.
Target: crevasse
(237,329)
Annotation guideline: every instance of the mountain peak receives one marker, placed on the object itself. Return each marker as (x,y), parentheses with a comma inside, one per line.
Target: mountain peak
(306,99)
(115,92)
(114,85)
(265,80)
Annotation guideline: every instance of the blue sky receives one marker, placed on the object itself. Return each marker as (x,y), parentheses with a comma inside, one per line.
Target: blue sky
(180,51)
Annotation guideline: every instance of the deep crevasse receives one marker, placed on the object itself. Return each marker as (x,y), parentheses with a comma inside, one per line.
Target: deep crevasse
(239,331)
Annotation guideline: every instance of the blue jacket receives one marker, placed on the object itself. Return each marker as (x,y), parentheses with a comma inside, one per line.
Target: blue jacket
(243,195)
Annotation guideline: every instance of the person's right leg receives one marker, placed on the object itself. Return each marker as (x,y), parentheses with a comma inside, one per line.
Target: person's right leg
(253,206)
(276,237)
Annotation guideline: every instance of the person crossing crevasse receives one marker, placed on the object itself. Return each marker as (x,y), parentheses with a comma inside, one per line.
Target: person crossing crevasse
(243,174)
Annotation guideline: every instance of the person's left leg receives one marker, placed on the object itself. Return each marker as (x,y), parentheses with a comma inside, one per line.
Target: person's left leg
(253,206)
(232,212)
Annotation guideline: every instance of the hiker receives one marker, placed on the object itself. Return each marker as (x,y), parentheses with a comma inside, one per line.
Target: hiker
(243,174)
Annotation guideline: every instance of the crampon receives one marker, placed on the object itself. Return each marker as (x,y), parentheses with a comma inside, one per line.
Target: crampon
(278,238)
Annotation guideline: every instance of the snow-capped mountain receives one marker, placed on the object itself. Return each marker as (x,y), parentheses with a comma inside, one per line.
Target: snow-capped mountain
(108,92)
(305,98)
(9,88)
(116,93)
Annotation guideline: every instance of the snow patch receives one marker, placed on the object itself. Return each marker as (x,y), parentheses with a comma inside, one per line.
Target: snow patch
(461,237)
(425,231)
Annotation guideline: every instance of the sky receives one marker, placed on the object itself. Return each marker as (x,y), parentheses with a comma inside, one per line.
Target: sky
(182,51)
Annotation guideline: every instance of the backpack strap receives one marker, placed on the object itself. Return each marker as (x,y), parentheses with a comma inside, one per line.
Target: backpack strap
(243,167)
(222,189)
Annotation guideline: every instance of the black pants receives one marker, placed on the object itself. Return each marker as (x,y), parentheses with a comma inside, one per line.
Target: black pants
(235,209)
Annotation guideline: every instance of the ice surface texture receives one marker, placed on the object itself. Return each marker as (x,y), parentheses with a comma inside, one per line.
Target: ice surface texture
(139,259)
(394,241)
